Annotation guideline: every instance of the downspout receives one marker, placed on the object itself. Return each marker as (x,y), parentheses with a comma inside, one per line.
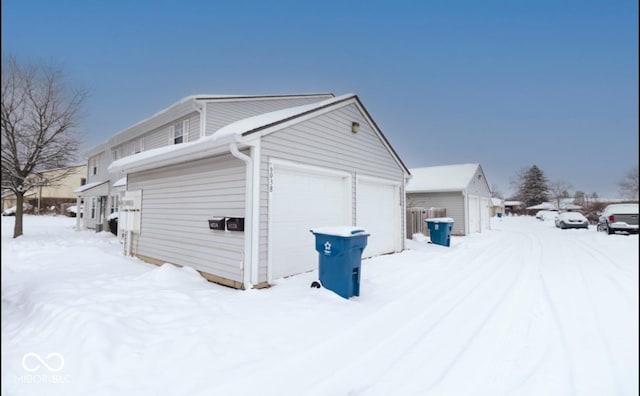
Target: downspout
(248,202)
(404,212)
(465,223)
(255,212)
(199,107)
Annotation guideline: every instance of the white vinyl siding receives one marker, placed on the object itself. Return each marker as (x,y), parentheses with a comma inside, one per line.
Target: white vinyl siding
(177,203)
(221,113)
(452,201)
(326,141)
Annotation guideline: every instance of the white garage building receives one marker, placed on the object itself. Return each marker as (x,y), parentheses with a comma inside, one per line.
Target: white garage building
(263,182)
(461,189)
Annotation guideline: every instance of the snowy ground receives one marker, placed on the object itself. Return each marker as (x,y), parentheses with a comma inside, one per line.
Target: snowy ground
(524,309)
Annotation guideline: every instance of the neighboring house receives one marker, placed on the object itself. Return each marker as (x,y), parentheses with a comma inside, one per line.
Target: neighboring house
(497,206)
(513,207)
(236,197)
(461,189)
(187,120)
(51,197)
(564,205)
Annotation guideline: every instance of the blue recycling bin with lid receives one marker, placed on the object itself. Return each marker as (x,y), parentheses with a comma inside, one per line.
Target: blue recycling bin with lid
(340,256)
(440,230)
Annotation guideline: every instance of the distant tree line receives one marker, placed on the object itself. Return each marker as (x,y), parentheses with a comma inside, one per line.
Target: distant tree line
(532,188)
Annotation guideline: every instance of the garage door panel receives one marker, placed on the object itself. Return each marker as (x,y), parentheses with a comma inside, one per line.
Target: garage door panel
(378,213)
(474,214)
(302,200)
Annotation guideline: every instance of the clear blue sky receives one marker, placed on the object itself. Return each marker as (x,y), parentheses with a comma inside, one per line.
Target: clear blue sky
(507,84)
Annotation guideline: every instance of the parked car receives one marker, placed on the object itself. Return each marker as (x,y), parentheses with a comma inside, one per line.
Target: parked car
(547,215)
(12,210)
(619,217)
(571,220)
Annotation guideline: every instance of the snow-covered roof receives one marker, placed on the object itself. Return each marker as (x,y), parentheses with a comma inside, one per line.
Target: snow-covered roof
(554,206)
(497,202)
(89,186)
(512,203)
(543,206)
(218,142)
(122,182)
(247,125)
(441,178)
(184,103)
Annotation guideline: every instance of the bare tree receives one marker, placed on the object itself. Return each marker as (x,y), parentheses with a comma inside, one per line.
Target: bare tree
(629,184)
(495,192)
(559,190)
(40,112)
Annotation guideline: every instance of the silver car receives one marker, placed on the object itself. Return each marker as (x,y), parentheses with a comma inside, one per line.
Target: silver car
(619,217)
(571,220)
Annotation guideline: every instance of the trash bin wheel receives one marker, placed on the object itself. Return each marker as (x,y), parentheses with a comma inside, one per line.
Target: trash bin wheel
(316,285)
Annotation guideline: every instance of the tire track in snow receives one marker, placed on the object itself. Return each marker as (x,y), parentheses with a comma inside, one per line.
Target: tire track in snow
(589,292)
(558,325)
(600,257)
(513,314)
(354,346)
(402,340)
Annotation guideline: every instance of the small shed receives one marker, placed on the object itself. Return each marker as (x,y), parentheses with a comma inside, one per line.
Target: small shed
(461,189)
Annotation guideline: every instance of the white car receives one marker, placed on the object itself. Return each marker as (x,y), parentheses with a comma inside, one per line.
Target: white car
(571,220)
(547,215)
(12,210)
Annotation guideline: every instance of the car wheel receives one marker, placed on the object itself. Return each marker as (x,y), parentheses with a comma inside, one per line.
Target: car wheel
(562,226)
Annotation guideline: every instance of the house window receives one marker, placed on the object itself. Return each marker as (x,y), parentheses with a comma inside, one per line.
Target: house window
(93,207)
(94,167)
(83,181)
(114,203)
(177,133)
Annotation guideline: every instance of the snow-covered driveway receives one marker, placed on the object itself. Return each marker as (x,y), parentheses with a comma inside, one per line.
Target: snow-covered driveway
(525,309)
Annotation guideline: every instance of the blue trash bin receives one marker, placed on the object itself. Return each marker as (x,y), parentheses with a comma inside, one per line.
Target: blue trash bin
(499,215)
(340,255)
(440,230)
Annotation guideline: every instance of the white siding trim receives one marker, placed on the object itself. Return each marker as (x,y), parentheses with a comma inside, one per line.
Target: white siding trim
(172,137)
(185,131)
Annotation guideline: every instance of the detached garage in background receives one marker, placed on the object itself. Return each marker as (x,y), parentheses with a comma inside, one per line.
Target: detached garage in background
(462,190)
(238,204)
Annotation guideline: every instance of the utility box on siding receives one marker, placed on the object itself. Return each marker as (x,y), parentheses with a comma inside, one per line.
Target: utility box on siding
(130,206)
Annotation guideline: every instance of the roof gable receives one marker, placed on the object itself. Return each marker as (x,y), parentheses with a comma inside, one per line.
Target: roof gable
(239,131)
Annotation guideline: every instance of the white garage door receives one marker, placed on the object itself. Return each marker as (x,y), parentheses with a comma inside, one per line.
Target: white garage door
(378,212)
(474,214)
(485,213)
(302,199)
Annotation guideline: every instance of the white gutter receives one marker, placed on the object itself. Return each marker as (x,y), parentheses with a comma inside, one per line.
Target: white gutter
(248,203)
